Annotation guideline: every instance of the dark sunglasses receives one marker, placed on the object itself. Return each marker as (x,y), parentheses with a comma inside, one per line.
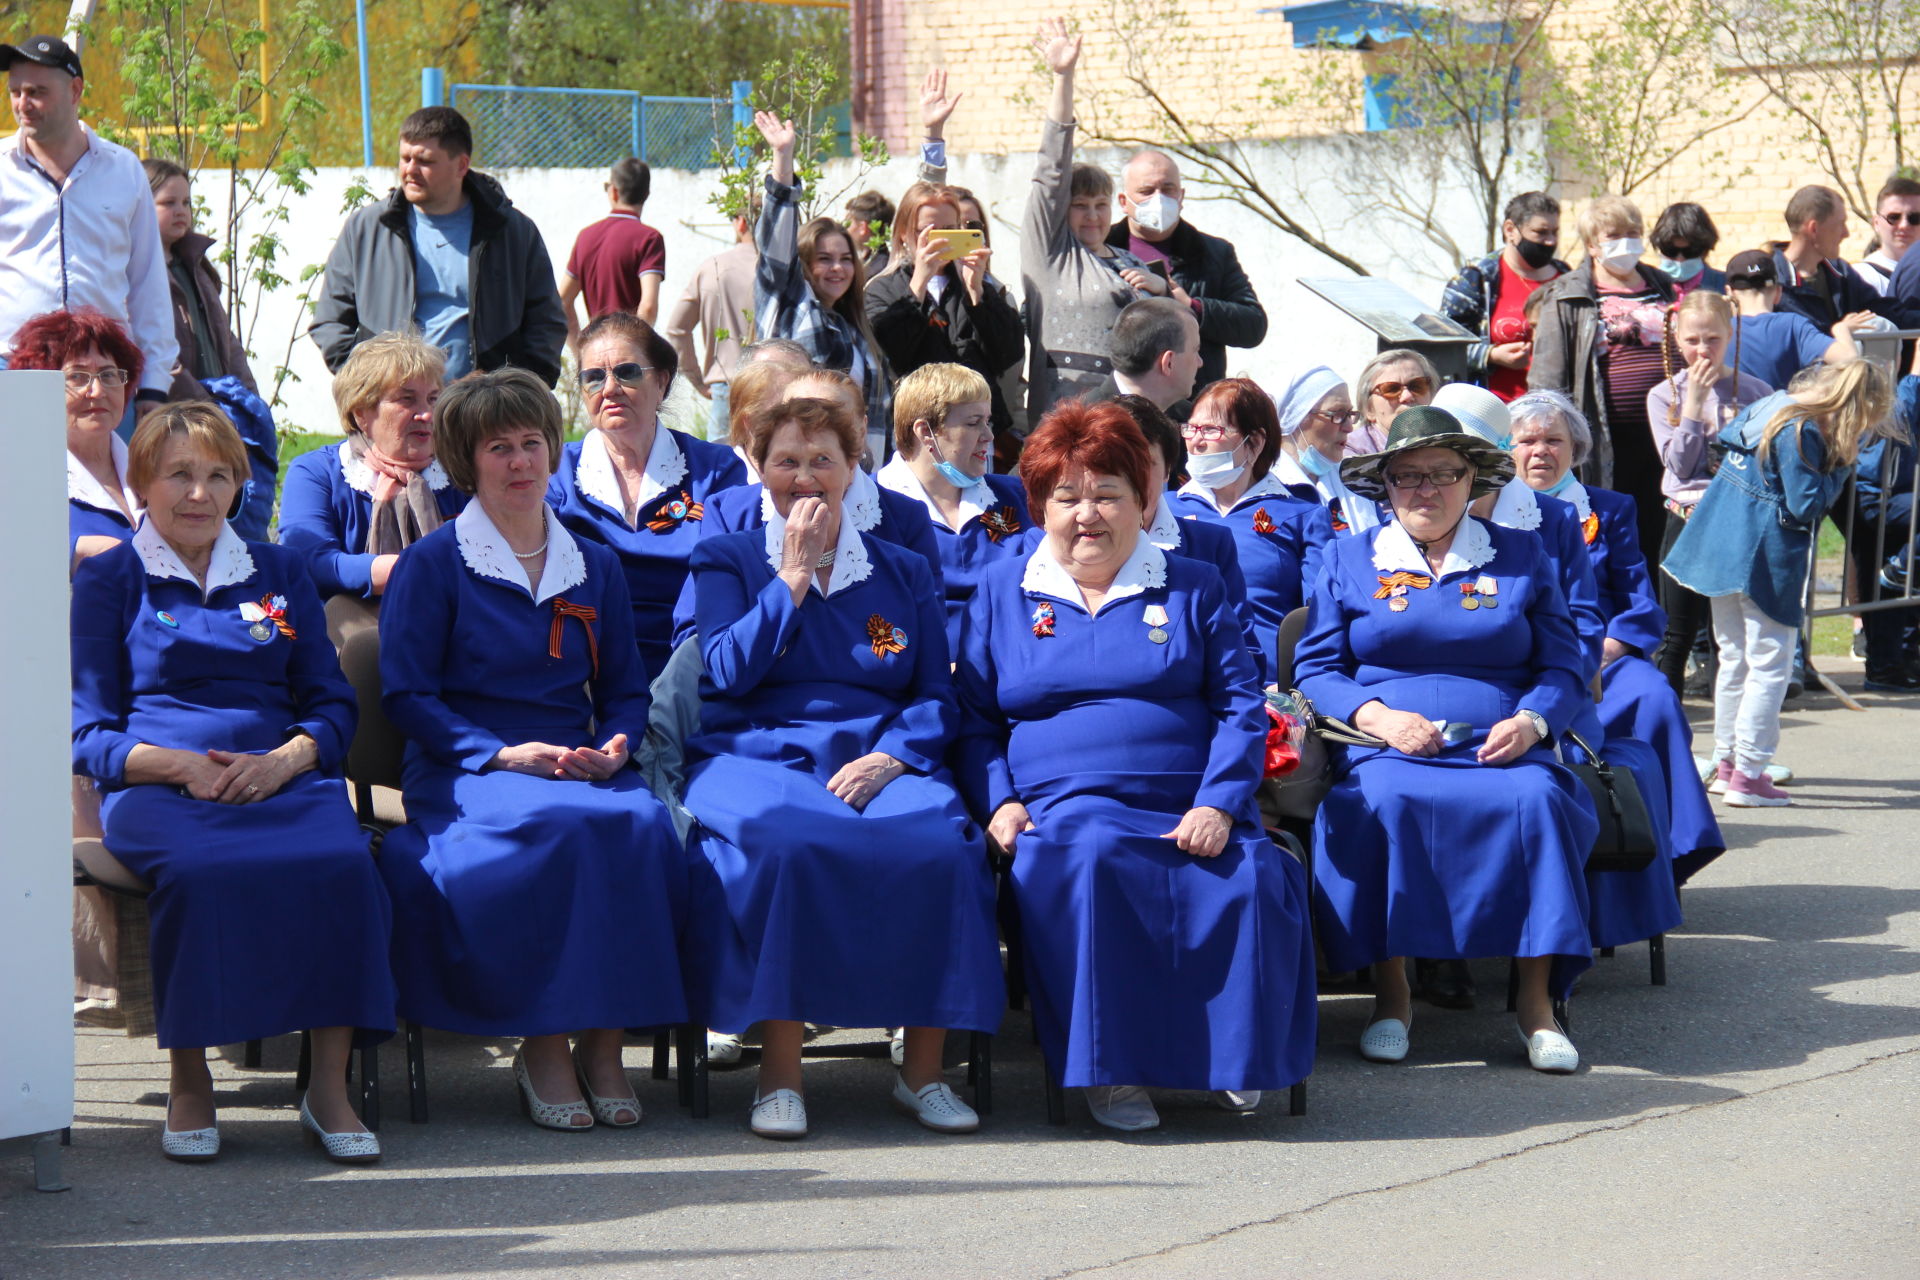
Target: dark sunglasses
(1897,218)
(1389,390)
(628,373)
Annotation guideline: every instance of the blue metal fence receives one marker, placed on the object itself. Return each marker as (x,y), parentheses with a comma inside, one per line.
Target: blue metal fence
(523,126)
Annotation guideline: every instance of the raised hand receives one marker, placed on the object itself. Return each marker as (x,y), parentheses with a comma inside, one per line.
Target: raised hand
(973,271)
(780,134)
(935,105)
(1058,48)
(929,260)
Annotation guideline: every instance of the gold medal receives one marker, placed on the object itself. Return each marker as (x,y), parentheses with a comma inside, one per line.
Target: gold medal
(1469,602)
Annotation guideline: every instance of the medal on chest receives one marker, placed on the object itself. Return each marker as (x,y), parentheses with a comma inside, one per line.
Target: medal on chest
(1043,620)
(1000,523)
(266,617)
(1393,588)
(885,638)
(1482,593)
(678,509)
(1155,616)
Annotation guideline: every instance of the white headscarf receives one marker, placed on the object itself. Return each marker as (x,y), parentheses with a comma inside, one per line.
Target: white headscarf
(1302,393)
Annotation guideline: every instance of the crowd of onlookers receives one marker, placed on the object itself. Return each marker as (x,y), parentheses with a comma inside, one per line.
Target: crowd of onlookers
(723,725)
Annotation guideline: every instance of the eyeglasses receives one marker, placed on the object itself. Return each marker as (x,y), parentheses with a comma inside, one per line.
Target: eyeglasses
(1897,218)
(1206,433)
(109,379)
(1414,386)
(1336,417)
(1407,481)
(627,373)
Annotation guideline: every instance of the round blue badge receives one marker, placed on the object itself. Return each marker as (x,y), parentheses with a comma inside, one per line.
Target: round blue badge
(900,637)
(167,618)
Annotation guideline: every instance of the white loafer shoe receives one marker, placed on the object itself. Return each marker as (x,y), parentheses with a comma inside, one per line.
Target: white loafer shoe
(1551,1051)
(188,1146)
(358,1147)
(1236,1099)
(723,1049)
(898,1049)
(781,1115)
(936,1106)
(1385,1041)
(1125,1107)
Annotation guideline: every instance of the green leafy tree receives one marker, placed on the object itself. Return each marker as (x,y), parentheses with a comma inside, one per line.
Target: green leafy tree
(802,89)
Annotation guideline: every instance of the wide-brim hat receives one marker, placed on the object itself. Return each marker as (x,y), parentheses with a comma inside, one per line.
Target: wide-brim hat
(1425,427)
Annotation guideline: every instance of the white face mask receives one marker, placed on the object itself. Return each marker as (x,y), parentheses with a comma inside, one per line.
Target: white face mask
(1158,212)
(1620,255)
(1214,470)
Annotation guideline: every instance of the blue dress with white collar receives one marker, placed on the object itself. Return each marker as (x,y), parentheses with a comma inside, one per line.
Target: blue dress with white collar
(267,917)
(526,905)
(1442,856)
(1280,541)
(326,509)
(804,907)
(1147,965)
(684,476)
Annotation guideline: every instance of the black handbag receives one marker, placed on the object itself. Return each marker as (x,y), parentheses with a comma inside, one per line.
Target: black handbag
(1626,840)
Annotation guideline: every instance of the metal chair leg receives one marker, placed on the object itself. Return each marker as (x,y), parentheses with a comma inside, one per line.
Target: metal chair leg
(683,1082)
(370,1087)
(1606,953)
(1513,985)
(304,1072)
(250,1056)
(1657,958)
(416,1074)
(662,1037)
(1297,1099)
(980,1071)
(693,1069)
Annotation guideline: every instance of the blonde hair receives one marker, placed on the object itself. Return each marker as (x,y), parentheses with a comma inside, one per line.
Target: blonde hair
(481,406)
(928,394)
(202,425)
(1717,309)
(1848,403)
(1604,213)
(377,366)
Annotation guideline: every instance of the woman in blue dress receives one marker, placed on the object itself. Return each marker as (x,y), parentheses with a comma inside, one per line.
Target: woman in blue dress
(208,705)
(1114,733)
(1232,440)
(1316,415)
(351,509)
(839,877)
(632,484)
(1550,438)
(538,886)
(943,445)
(1448,639)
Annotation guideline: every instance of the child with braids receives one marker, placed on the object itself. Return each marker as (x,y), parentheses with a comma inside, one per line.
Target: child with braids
(1700,394)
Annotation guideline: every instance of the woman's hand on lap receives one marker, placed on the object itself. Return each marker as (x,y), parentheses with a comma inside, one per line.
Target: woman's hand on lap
(540,760)
(1508,740)
(1404,731)
(248,777)
(1007,825)
(1202,832)
(859,781)
(603,763)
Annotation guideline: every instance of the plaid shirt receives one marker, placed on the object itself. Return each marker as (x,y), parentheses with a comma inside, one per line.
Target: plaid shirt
(785,307)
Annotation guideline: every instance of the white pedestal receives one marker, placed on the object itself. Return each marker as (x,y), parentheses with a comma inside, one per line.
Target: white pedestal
(36,831)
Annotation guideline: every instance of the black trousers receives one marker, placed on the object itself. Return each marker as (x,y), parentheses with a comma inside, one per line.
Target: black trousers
(1686,612)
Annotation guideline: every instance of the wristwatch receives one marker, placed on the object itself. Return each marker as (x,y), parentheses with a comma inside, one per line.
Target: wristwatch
(1538,721)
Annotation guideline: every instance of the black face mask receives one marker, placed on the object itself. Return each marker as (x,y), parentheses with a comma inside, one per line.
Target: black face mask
(1533,253)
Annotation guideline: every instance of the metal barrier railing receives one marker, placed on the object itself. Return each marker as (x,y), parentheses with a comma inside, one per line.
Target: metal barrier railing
(526,126)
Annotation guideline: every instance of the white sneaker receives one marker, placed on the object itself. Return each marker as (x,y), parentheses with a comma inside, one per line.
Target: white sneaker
(898,1050)
(723,1049)
(936,1106)
(782,1114)
(1123,1106)
(1236,1099)
(1552,1052)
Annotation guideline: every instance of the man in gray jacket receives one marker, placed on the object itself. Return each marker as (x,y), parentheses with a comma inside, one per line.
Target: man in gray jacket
(446,254)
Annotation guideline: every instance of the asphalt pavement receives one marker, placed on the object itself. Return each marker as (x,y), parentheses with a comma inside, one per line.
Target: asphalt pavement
(1757,1116)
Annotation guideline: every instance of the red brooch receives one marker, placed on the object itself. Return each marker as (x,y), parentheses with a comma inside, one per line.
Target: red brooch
(1262,522)
(1043,621)
(679,509)
(1001,523)
(885,637)
(1339,521)
(1590,527)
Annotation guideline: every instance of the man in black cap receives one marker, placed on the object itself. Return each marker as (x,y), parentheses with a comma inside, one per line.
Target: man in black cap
(76,216)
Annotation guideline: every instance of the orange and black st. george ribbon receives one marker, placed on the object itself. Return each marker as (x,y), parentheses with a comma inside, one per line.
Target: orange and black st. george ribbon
(563,609)
(884,637)
(1388,581)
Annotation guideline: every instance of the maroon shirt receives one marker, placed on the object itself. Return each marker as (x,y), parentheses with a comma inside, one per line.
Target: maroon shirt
(610,257)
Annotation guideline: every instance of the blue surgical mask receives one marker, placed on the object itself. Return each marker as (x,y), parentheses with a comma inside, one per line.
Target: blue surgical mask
(1214,470)
(1314,462)
(1683,268)
(1561,485)
(948,472)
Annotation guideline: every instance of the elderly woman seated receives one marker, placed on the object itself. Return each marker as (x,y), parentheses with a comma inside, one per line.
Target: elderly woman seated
(539,884)
(943,444)
(1449,640)
(1393,381)
(351,509)
(208,706)
(634,485)
(1232,440)
(99,363)
(839,879)
(1550,438)
(1114,733)
(1314,416)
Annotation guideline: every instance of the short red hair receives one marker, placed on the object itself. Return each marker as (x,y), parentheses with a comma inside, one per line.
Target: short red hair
(1250,409)
(1101,438)
(47,341)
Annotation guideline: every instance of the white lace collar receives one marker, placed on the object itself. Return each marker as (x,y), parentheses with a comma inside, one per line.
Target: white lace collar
(487,554)
(1359,513)
(1163,531)
(595,474)
(362,477)
(230,564)
(84,487)
(1267,486)
(1144,569)
(975,500)
(1575,496)
(1516,507)
(1394,549)
(850,561)
(862,503)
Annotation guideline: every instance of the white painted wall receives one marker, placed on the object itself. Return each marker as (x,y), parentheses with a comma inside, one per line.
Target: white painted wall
(1303,330)
(36,840)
